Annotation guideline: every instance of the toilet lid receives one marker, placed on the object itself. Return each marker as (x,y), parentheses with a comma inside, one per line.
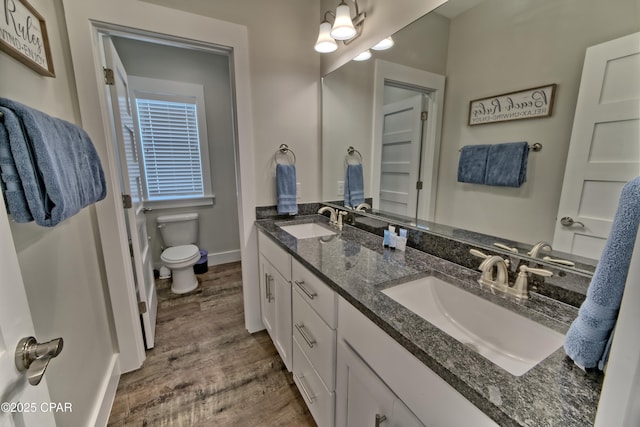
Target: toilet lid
(180,253)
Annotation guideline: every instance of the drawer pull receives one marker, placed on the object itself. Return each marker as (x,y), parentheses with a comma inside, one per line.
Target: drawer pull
(310,294)
(310,397)
(310,341)
(380,419)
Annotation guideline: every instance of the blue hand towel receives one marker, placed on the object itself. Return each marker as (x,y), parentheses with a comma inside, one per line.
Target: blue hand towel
(353,185)
(473,163)
(57,166)
(589,334)
(507,164)
(286,189)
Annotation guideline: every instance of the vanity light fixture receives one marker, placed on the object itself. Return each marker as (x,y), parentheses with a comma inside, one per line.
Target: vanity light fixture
(384,44)
(344,27)
(363,56)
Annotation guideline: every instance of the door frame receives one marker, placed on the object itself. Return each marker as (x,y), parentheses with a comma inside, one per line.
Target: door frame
(424,81)
(149,22)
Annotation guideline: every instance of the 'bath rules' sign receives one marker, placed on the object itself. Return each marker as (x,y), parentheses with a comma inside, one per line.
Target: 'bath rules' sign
(23,35)
(526,104)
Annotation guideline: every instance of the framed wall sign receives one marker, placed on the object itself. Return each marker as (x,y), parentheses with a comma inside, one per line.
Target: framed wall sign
(531,103)
(23,35)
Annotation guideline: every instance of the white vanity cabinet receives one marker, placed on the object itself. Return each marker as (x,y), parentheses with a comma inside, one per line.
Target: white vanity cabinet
(364,399)
(275,296)
(314,343)
(377,376)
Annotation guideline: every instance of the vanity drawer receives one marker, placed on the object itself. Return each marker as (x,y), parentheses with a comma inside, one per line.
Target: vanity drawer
(319,400)
(316,339)
(277,256)
(318,295)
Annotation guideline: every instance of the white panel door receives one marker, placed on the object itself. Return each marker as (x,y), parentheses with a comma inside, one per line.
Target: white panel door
(604,152)
(400,156)
(21,402)
(131,182)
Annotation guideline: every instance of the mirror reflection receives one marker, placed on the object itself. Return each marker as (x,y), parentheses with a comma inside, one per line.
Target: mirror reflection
(406,111)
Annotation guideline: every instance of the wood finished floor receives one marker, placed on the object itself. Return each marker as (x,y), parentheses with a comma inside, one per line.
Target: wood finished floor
(206,369)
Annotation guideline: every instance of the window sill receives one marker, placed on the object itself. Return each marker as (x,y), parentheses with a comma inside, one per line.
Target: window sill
(181,203)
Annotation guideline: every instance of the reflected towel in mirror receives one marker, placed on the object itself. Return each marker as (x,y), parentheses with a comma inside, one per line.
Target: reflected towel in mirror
(472,164)
(353,185)
(507,164)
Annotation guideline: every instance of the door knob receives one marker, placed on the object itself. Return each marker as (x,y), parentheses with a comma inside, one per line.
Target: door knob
(567,221)
(34,357)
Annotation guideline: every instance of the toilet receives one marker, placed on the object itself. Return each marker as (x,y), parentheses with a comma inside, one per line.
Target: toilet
(180,235)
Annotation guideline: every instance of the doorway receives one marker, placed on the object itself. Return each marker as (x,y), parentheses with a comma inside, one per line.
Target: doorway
(407,121)
(124,298)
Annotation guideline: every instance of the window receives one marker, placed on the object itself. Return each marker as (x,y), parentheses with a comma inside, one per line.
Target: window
(171,124)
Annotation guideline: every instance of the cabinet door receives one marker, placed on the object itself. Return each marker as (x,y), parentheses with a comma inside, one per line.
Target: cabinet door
(282,321)
(362,399)
(267,305)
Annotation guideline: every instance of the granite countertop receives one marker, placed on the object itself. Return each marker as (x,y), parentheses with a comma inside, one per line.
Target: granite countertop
(355,265)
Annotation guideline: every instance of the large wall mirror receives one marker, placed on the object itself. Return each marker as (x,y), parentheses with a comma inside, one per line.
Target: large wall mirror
(467,50)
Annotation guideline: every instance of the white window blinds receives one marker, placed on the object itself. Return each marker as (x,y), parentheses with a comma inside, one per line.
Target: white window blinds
(171,149)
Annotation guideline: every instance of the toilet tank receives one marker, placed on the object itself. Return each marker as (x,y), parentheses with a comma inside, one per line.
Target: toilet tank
(180,229)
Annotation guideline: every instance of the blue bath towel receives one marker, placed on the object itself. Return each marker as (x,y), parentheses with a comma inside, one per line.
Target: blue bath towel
(353,185)
(286,189)
(507,164)
(473,163)
(53,169)
(589,334)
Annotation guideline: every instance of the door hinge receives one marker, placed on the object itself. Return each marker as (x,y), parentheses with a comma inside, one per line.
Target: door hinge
(130,248)
(424,115)
(419,185)
(127,203)
(109,79)
(142,306)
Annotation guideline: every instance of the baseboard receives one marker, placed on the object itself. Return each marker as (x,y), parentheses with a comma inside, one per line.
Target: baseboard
(107,394)
(223,257)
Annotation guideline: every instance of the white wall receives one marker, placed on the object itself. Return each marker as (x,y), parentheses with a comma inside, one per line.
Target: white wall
(218,232)
(62,266)
(502,46)
(285,83)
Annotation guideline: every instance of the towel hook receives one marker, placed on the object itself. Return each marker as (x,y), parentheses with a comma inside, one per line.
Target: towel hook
(351,151)
(284,150)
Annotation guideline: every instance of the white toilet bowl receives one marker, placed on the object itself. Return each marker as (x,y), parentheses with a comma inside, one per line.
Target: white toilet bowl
(180,260)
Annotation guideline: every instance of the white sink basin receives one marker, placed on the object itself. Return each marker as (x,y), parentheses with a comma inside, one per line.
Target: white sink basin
(307,231)
(507,339)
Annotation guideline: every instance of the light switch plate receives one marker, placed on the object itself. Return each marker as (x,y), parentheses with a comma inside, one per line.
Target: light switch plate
(340,188)
(298,191)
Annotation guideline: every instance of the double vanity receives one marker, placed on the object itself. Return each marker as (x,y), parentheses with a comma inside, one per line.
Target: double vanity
(381,337)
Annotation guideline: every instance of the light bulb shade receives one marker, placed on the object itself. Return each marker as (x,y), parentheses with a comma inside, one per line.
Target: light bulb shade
(343,28)
(363,56)
(325,43)
(384,44)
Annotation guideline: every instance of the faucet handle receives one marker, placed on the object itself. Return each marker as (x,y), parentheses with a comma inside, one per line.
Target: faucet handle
(538,271)
(478,253)
(521,287)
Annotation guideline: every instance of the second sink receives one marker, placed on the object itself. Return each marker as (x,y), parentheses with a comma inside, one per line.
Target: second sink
(507,339)
(308,230)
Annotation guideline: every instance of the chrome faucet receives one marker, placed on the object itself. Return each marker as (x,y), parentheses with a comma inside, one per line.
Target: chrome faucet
(500,280)
(495,273)
(363,207)
(333,219)
(539,247)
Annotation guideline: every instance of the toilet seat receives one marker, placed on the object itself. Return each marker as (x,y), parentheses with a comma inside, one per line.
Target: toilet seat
(179,254)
